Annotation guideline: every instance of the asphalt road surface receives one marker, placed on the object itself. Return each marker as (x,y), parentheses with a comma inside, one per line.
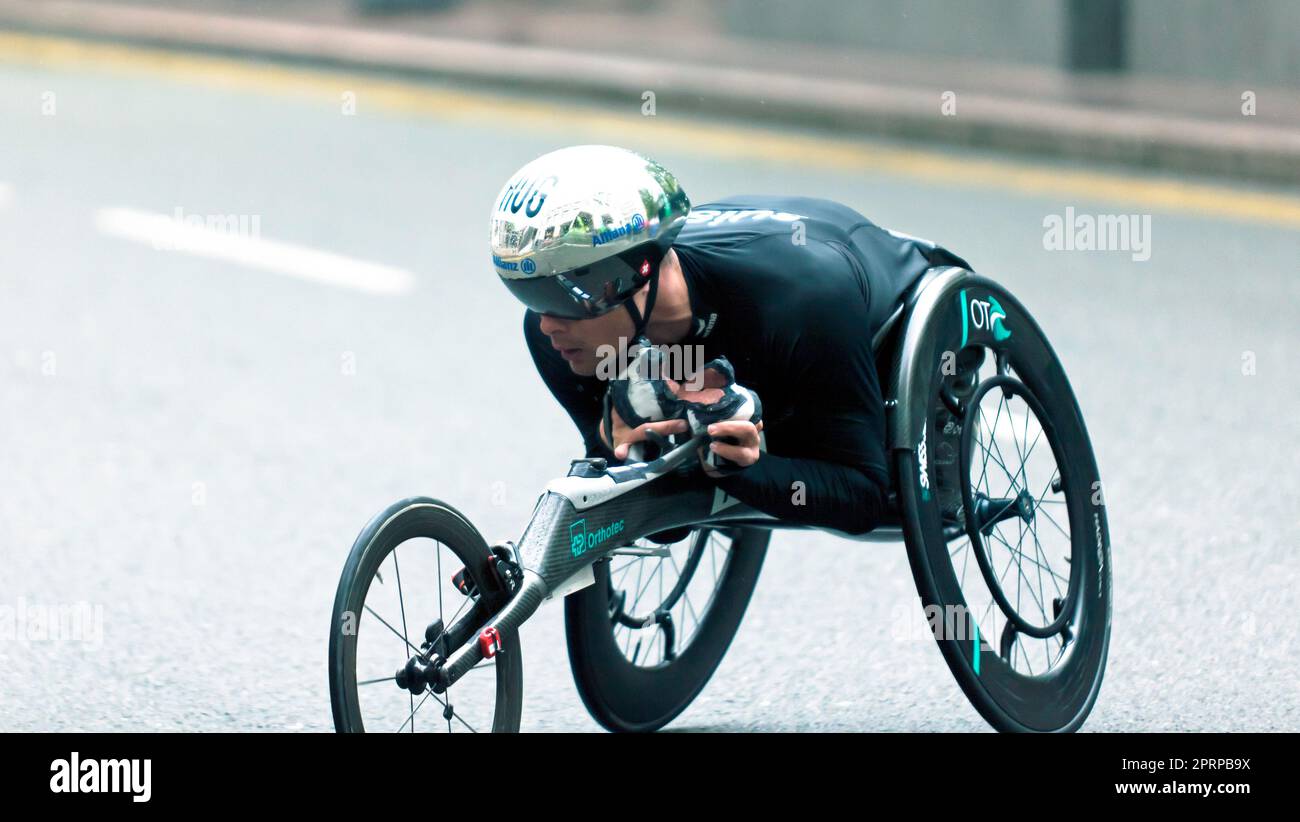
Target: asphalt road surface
(191,434)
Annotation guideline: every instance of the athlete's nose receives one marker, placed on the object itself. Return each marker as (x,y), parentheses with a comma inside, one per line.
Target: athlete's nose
(552,325)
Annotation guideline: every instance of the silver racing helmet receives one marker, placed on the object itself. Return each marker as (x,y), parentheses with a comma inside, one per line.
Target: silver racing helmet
(578,231)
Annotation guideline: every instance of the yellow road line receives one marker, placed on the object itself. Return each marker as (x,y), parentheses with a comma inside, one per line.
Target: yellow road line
(731,141)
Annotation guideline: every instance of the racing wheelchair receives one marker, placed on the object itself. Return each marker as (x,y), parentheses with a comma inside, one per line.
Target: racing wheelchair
(995,492)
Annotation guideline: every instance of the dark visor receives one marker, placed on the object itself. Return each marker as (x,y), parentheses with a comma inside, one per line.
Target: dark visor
(589,291)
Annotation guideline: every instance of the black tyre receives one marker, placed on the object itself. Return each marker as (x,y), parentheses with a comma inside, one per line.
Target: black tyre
(1003,515)
(395,585)
(646,637)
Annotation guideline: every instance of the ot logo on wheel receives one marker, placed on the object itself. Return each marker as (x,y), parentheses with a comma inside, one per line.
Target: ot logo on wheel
(985,315)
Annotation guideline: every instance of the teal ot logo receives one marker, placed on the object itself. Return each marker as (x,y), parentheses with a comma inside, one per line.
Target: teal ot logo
(982,315)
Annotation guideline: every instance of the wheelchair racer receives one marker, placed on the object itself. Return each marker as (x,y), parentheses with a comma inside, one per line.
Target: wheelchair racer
(603,246)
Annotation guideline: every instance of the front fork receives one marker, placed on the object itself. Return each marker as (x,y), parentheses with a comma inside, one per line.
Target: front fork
(526,590)
(522,605)
(513,595)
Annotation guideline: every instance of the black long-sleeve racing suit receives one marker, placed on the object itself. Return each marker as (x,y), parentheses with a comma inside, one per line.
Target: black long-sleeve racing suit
(791,290)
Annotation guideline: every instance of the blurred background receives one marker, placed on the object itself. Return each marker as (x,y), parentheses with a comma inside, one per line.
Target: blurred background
(246,302)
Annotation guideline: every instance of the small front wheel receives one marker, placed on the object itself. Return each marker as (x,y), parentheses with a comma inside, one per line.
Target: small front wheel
(397,612)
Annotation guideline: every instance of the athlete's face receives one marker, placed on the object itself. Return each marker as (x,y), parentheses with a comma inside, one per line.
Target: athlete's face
(578,340)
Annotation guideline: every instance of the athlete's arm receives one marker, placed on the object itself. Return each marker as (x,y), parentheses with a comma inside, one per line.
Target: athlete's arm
(826,463)
(814,492)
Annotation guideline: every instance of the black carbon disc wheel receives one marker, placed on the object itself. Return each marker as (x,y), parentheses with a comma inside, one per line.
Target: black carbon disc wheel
(1004,518)
(646,637)
(397,582)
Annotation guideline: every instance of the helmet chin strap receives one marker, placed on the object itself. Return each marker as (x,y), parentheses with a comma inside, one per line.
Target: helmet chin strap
(639,319)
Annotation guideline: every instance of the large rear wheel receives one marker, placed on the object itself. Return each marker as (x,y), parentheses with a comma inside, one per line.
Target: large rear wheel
(1004,516)
(647,636)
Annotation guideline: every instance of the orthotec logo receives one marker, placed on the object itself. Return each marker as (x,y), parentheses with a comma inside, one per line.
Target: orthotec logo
(77,775)
(635,226)
(984,315)
(581,540)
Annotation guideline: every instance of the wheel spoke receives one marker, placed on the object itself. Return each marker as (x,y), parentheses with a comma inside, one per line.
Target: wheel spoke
(1018,553)
(1052,520)
(627,566)
(686,598)
(396,632)
(410,720)
(1001,463)
(676,601)
(1038,550)
(628,646)
(1029,452)
(659,565)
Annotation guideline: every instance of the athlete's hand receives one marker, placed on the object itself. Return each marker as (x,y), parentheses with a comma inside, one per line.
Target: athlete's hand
(746,450)
(624,435)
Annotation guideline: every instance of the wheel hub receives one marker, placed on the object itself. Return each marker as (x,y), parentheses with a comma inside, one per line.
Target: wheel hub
(422,670)
(989,511)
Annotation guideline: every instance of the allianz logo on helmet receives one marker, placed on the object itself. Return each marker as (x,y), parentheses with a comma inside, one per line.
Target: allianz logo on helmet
(527,266)
(635,226)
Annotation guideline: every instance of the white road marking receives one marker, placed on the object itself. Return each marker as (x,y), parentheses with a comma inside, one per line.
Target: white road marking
(167,233)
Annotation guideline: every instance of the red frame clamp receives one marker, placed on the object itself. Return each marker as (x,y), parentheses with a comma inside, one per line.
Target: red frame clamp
(489,642)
